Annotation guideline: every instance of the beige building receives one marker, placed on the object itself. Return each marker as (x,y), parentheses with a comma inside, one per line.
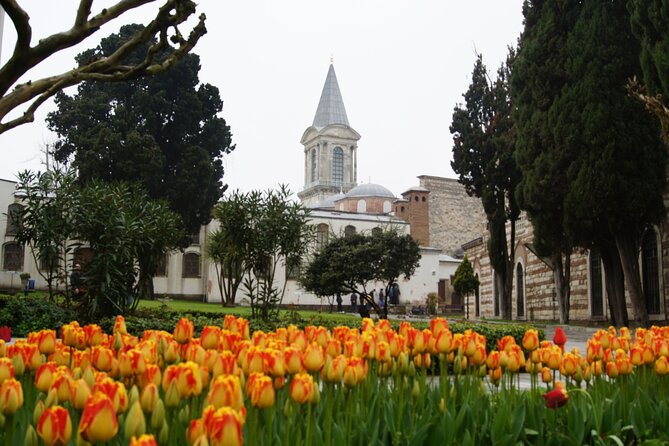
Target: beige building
(533,293)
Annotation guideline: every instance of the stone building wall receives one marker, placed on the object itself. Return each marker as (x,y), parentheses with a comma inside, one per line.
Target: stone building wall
(455,217)
(539,288)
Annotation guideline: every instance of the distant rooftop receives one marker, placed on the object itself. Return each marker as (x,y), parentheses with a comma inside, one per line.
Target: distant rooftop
(331,108)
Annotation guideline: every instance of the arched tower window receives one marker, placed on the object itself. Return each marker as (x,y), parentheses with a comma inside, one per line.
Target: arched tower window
(322,235)
(349,230)
(650,272)
(338,166)
(191,265)
(12,257)
(313,165)
(377,232)
(13,218)
(596,289)
(520,291)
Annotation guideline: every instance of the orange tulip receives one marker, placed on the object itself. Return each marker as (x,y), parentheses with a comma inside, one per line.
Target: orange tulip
(79,393)
(313,358)
(546,375)
(495,375)
(383,352)
(46,341)
(94,335)
(209,337)
(98,420)
(569,364)
(11,396)
(54,426)
(437,325)
(594,350)
(183,332)
(531,340)
(102,358)
(612,369)
(661,366)
(62,382)
(333,347)
(302,388)
(115,391)
(143,440)
(444,341)
(333,371)
(225,390)
(262,392)
(189,380)
(7,369)
(43,375)
(196,429)
(119,325)
(224,428)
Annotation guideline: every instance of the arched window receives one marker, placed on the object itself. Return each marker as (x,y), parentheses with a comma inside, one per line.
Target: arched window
(386,207)
(520,291)
(650,272)
(596,289)
(191,266)
(477,299)
(338,166)
(376,231)
(362,206)
(12,257)
(495,294)
(349,230)
(322,235)
(161,269)
(313,165)
(13,218)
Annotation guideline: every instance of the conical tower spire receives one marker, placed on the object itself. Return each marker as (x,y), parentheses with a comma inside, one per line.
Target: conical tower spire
(331,108)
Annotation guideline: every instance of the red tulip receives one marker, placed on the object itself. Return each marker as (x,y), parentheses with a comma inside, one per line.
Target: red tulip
(556,398)
(54,426)
(560,339)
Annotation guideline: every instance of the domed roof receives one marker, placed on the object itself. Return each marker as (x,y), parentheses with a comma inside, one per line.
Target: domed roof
(369,190)
(328,202)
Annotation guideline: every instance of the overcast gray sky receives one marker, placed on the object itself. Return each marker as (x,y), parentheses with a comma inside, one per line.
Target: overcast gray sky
(402,67)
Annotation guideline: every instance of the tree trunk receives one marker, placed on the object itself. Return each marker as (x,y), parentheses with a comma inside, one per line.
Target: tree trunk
(615,285)
(628,252)
(561,276)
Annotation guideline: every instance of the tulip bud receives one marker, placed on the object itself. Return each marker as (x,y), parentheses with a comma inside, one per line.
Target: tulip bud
(31,437)
(442,405)
(172,398)
(80,393)
(133,395)
(158,414)
(412,369)
(19,365)
(149,397)
(135,424)
(2,421)
(37,411)
(184,415)
(164,434)
(415,390)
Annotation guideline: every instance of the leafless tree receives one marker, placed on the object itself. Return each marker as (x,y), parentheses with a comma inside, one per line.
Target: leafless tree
(158,34)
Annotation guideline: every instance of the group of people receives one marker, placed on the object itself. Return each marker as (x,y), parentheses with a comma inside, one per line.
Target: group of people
(379,297)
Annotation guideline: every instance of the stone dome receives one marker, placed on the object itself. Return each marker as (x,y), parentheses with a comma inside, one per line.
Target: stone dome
(369,190)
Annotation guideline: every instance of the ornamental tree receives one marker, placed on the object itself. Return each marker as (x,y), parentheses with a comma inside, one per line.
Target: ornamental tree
(161,131)
(349,262)
(483,158)
(164,28)
(465,282)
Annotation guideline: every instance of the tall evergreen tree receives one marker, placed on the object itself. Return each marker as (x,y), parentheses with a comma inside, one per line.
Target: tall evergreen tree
(163,132)
(650,24)
(483,145)
(620,175)
(538,78)
(593,165)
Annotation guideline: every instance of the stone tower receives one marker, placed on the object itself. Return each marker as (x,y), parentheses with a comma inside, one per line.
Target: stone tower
(330,148)
(414,207)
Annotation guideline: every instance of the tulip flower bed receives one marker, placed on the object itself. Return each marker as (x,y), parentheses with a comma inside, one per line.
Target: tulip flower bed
(315,386)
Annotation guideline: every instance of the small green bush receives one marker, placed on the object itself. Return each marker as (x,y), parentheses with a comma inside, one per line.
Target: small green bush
(32,313)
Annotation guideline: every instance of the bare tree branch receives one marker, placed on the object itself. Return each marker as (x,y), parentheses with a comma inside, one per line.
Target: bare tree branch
(111,69)
(654,104)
